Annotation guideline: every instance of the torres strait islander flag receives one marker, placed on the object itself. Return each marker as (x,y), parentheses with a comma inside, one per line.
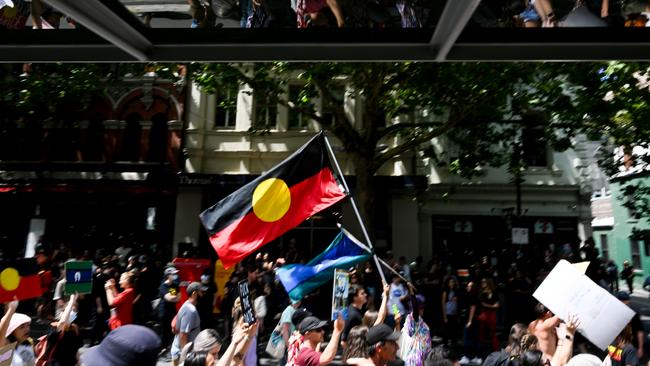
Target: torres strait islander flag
(275,202)
(19,278)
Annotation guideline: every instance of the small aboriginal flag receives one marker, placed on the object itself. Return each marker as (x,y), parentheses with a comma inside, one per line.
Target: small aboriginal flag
(272,204)
(19,278)
(78,277)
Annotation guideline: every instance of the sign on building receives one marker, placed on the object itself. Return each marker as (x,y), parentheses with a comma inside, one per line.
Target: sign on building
(543,227)
(519,235)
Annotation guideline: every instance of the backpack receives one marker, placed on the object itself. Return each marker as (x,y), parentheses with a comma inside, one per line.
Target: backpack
(45,348)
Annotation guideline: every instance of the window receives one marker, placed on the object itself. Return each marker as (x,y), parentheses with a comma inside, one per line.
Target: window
(338,92)
(266,110)
(636,255)
(226,115)
(297,120)
(604,246)
(534,147)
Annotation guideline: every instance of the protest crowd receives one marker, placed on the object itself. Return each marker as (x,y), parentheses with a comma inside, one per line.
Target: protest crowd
(469,309)
(124,305)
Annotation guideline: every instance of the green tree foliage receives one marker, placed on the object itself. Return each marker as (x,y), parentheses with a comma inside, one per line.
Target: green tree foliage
(481,107)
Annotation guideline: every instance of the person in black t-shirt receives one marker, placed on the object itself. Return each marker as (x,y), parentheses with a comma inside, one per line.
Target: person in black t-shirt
(357,297)
(638,332)
(169,297)
(621,352)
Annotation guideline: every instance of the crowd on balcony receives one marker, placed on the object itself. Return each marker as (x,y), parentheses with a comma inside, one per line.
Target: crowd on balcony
(364,14)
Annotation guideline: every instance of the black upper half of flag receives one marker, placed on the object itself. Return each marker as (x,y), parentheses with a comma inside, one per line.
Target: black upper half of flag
(24,266)
(306,162)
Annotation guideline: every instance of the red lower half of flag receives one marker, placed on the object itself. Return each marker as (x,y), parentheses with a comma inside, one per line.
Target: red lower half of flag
(29,287)
(249,233)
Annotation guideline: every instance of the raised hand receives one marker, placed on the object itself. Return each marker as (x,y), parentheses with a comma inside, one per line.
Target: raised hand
(339,323)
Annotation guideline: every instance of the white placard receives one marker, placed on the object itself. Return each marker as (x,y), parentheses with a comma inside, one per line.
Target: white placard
(519,235)
(567,291)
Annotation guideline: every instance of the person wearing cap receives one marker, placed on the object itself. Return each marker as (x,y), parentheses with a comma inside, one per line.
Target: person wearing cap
(313,330)
(382,347)
(15,328)
(638,332)
(188,322)
(121,302)
(169,297)
(296,339)
(127,345)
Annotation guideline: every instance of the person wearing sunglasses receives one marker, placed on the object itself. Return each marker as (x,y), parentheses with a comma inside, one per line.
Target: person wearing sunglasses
(313,331)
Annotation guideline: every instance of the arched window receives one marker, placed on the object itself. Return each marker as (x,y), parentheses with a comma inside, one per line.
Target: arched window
(131,138)
(158,138)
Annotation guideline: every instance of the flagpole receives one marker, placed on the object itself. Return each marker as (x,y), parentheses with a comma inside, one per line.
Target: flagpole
(383,262)
(356,210)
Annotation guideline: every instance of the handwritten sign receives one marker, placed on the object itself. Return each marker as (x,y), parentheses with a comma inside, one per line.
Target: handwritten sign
(246,304)
(567,291)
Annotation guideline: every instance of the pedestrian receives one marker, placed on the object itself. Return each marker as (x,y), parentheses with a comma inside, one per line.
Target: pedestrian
(357,298)
(638,332)
(121,302)
(487,318)
(418,344)
(622,352)
(14,327)
(628,275)
(313,330)
(449,308)
(356,346)
(128,345)
(188,323)
(169,297)
(544,329)
(287,327)
(382,347)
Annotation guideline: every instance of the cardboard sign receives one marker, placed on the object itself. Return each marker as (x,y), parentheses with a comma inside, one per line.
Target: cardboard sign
(78,277)
(7,354)
(566,291)
(246,303)
(340,294)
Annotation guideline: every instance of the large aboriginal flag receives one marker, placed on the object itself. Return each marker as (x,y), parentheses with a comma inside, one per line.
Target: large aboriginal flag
(19,278)
(275,202)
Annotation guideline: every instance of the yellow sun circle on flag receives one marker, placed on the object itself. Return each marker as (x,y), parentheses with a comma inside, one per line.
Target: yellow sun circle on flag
(271,200)
(9,279)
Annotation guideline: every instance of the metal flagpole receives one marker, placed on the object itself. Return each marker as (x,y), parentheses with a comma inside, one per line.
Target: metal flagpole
(356,210)
(383,262)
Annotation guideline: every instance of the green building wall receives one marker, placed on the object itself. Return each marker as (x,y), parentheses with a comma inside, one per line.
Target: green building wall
(619,245)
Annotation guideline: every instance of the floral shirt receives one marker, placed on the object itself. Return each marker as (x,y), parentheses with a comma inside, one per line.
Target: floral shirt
(295,341)
(418,345)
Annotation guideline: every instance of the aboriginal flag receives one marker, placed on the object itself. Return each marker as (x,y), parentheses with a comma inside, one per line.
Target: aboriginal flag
(19,278)
(275,202)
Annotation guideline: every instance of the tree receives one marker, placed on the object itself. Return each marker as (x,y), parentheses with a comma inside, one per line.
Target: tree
(481,107)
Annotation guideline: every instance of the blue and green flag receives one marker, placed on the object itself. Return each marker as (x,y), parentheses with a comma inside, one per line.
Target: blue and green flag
(301,279)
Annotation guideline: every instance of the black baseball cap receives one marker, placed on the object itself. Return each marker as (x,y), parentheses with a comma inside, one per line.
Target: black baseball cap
(298,316)
(311,323)
(381,332)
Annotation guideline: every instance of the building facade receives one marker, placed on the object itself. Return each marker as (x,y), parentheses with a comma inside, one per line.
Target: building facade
(106,177)
(422,209)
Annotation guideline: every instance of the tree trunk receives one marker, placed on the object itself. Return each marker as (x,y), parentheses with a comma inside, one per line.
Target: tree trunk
(365,192)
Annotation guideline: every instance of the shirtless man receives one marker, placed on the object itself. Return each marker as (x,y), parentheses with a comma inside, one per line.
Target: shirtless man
(544,329)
